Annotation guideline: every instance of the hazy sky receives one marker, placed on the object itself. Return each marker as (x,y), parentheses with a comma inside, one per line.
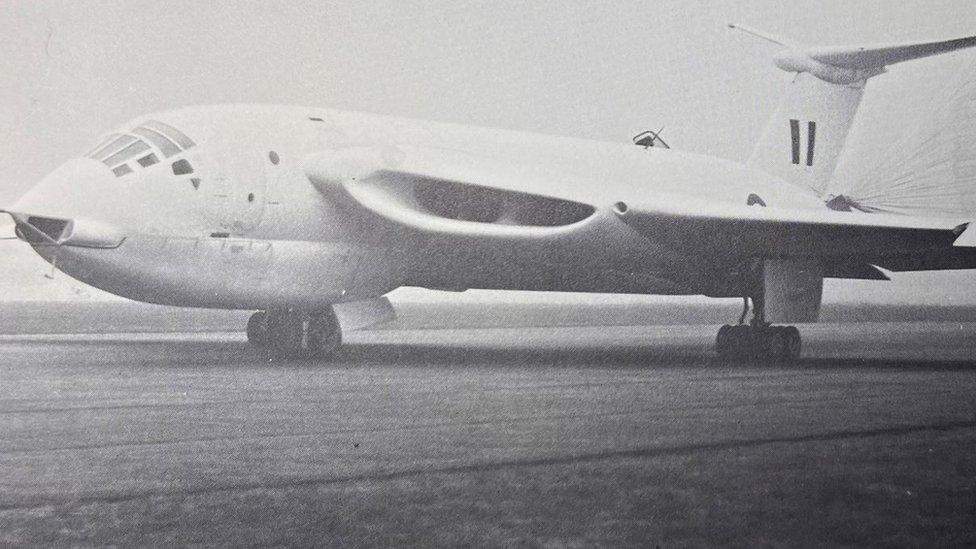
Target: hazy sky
(595,69)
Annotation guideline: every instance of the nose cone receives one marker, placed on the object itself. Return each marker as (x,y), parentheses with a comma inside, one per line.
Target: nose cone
(80,188)
(74,206)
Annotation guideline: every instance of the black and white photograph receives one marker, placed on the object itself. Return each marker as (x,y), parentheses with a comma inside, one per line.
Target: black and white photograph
(488,273)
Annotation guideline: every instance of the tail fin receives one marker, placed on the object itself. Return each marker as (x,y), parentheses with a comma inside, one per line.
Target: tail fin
(805,136)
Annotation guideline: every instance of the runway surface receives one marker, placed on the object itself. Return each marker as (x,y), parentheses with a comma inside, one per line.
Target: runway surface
(538,436)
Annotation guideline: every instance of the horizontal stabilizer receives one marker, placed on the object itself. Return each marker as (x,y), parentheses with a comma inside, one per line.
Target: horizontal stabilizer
(852,65)
(866,57)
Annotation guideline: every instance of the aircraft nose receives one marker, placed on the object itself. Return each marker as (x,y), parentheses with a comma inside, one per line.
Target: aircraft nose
(71,206)
(78,188)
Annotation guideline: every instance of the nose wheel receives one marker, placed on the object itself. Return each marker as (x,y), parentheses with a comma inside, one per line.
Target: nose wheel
(295,334)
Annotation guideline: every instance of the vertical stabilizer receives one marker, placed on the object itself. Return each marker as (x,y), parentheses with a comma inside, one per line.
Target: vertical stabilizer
(805,136)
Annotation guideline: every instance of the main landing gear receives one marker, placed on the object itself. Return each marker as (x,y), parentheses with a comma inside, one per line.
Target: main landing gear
(295,334)
(758,339)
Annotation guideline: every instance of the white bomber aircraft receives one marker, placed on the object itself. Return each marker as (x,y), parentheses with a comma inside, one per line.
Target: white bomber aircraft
(310,216)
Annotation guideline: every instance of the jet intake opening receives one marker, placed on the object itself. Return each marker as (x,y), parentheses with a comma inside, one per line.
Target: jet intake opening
(495,206)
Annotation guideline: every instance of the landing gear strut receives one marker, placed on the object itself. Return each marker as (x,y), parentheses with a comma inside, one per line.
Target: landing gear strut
(758,339)
(293,334)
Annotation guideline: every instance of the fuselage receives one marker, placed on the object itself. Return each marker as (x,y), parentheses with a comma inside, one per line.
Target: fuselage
(228,217)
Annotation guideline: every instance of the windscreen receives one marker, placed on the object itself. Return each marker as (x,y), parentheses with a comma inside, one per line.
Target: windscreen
(141,147)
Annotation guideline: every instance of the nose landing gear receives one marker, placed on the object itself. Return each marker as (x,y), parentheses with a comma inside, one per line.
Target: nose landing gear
(758,339)
(295,334)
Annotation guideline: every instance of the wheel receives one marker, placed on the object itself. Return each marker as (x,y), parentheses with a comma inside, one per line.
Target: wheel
(744,342)
(794,343)
(748,342)
(739,342)
(257,329)
(324,334)
(776,343)
(723,341)
(286,332)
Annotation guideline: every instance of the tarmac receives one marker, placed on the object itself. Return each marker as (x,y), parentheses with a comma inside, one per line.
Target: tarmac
(537,436)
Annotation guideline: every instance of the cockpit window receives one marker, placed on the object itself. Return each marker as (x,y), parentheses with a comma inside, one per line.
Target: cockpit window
(107,141)
(158,138)
(113,146)
(148,160)
(126,153)
(170,132)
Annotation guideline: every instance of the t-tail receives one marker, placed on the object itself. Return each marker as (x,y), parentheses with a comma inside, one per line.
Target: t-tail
(805,136)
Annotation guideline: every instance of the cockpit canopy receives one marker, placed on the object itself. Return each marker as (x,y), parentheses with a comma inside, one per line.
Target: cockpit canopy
(141,147)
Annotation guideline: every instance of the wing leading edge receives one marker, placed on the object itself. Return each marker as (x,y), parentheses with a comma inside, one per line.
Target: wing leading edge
(439,204)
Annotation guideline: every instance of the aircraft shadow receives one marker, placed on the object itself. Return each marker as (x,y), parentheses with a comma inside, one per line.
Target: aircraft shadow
(190,353)
(629,357)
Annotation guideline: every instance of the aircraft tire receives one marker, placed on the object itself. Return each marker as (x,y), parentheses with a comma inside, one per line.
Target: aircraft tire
(324,334)
(723,341)
(733,342)
(286,330)
(794,344)
(257,329)
(775,343)
(744,342)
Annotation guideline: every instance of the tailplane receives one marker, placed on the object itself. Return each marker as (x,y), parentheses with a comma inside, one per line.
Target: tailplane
(805,136)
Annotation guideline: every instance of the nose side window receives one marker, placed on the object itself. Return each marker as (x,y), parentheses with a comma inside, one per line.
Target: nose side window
(182,167)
